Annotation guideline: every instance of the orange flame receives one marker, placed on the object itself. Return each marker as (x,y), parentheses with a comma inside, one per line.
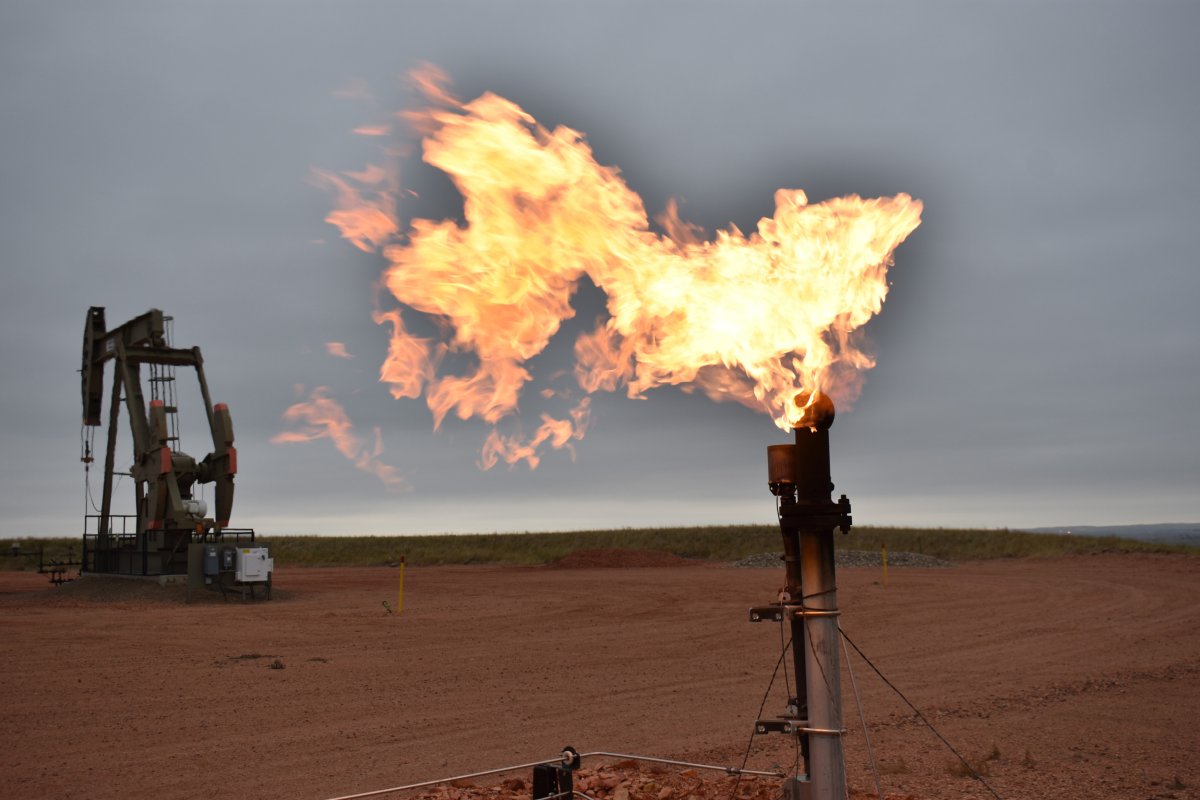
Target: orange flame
(753,318)
(558,433)
(322,417)
(338,350)
(411,361)
(373,130)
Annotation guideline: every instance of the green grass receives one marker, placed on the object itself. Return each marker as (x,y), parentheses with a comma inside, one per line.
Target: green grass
(718,543)
(977,545)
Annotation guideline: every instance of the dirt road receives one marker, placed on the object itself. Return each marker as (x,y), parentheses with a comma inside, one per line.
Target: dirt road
(1064,678)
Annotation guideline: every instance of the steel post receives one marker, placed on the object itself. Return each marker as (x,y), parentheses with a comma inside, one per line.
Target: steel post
(828,775)
(794,589)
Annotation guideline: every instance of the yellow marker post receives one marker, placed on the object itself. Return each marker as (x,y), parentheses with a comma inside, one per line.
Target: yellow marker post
(883,547)
(400,598)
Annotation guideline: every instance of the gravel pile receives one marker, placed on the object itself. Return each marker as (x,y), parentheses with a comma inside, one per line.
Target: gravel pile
(627,780)
(852,558)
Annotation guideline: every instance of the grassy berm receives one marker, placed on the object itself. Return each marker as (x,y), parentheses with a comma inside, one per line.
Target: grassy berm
(717,543)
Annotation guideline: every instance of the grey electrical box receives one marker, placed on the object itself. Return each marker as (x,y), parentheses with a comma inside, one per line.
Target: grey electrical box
(212,563)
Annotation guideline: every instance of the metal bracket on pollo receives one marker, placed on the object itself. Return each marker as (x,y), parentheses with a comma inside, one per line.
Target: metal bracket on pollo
(771,613)
(785,725)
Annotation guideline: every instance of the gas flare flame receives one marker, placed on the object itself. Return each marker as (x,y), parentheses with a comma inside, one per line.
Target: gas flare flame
(322,417)
(754,318)
(338,350)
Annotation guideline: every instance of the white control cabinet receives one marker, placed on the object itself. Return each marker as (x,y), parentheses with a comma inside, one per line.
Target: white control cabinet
(254,565)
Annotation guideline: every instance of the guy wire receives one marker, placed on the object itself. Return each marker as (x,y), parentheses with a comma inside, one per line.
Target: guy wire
(921,717)
(761,706)
(862,717)
(799,689)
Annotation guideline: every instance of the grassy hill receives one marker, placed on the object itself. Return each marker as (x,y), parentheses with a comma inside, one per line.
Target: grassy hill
(717,543)
(1164,533)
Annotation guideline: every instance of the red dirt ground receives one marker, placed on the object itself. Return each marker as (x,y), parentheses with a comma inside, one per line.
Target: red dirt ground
(1064,678)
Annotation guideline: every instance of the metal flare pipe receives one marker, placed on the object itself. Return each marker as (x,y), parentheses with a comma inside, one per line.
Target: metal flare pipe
(799,476)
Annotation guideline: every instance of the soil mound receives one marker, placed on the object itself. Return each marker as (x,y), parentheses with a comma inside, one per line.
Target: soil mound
(617,558)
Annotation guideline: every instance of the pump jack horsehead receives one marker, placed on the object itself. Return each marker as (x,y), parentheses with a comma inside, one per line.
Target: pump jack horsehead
(170,514)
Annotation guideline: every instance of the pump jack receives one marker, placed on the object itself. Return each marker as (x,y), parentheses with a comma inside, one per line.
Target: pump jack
(169,514)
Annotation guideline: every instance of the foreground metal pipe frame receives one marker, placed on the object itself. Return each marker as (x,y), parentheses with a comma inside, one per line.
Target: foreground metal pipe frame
(799,478)
(567,757)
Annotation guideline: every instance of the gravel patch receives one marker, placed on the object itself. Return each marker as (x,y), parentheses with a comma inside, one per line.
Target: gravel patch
(853,558)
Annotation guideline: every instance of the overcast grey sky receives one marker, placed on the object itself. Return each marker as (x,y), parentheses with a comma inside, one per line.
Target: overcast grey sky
(1038,353)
